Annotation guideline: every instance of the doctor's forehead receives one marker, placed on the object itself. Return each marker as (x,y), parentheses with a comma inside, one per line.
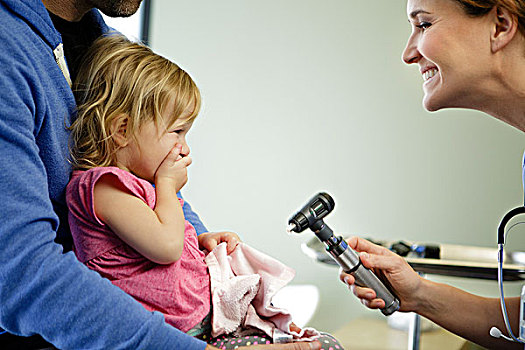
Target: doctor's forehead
(416,7)
(442,7)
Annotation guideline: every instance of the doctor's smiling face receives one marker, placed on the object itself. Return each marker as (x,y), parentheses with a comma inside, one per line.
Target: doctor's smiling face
(451,49)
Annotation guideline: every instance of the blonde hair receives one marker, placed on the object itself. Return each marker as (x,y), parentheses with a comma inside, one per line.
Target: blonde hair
(118,77)
(478,8)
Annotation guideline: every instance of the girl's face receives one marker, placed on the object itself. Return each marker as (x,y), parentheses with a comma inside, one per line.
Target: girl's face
(452,51)
(153,143)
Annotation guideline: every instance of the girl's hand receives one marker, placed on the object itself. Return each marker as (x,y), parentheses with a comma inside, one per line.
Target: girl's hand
(173,168)
(405,282)
(210,240)
(294,328)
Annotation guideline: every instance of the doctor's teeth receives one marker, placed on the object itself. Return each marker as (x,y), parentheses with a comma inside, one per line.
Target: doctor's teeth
(429,73)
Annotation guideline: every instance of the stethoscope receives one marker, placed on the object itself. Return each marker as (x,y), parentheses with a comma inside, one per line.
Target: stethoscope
(494,331)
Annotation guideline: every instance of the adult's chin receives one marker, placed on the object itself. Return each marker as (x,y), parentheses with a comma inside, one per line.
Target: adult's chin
(430,105)
(117,8)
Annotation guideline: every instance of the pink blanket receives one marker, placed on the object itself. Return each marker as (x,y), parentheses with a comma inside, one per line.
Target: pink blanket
(242,287)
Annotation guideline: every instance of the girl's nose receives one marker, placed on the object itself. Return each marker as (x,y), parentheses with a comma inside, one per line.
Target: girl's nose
(185,151)
(411,53)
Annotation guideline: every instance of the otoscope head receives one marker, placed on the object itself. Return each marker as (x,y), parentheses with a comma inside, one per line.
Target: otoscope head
(313,212)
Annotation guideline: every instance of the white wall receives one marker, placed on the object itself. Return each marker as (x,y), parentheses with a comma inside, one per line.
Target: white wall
(309,95)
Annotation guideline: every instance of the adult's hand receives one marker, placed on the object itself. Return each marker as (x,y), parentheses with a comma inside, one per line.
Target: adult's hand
(315,345)
(404,281)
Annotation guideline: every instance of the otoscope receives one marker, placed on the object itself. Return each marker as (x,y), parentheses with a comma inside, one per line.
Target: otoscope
(311,216)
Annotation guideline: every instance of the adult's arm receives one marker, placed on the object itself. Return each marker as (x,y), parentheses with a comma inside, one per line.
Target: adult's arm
(42,290)
(192,217)
(467,315)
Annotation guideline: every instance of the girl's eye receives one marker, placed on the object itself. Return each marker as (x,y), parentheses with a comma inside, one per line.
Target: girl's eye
(423,25)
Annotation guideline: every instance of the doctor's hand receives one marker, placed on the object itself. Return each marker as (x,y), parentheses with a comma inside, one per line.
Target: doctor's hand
(210,240)
(405,282)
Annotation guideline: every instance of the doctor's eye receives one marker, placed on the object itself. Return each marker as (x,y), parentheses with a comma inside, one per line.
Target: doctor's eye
(423,25)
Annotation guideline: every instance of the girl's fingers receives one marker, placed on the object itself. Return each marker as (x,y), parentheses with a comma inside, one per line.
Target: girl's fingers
(185,161)
(231,244)
(211,244)
(294,328)
(173,155)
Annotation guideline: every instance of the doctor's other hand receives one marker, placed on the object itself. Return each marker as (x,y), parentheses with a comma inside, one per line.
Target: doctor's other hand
(209,240)
(404,281)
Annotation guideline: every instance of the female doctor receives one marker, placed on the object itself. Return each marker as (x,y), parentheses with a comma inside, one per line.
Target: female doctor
(471,54)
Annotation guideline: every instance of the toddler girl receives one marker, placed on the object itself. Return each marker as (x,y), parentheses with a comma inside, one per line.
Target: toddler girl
(135,109)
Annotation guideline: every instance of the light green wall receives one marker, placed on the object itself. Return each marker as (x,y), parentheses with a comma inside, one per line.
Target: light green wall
(302,96)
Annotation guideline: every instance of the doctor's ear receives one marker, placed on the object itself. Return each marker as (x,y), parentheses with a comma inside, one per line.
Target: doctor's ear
(119,127)
(504,28)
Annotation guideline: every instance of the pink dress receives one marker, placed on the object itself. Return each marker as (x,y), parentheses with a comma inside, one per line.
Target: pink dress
(181,290)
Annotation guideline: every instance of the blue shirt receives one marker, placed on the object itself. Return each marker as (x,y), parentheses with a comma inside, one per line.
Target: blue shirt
(42,290)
